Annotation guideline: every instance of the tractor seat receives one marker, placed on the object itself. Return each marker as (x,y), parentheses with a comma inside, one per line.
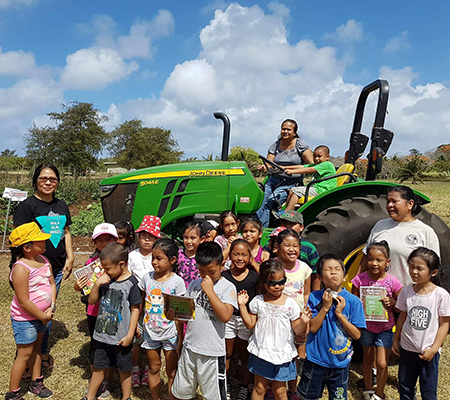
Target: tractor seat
(340,180)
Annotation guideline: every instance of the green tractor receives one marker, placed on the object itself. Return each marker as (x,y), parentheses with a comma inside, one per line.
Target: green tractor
(338,221)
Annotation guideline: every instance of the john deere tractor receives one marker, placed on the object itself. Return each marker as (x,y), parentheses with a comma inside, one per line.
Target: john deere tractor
(338,221)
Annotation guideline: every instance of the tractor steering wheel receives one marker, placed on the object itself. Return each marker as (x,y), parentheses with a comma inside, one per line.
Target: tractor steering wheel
(272,168)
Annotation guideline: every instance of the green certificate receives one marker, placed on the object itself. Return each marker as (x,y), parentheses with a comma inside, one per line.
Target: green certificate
(373,307)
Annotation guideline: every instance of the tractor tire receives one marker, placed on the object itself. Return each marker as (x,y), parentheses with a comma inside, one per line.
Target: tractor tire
(342,229)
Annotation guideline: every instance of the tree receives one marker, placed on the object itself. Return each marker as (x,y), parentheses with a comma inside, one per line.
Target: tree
(135,146)
(247,154)
(75,141)
(413,168)
(8,153)
(414,152)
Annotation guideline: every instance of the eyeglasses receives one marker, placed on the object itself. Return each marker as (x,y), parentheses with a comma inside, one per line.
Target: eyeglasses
(281,282)
(44,179)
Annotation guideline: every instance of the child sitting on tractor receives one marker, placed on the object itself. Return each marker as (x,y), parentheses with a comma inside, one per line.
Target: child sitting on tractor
(322,168)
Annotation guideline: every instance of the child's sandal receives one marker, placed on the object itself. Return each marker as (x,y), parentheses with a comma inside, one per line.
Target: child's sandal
(48,363)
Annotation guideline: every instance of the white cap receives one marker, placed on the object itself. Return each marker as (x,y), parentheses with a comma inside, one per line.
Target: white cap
(104,229)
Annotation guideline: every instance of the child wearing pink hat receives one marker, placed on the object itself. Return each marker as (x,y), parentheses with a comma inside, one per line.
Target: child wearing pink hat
(140,264)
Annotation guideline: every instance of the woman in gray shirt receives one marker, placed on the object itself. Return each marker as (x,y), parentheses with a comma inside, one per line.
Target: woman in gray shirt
(289,149)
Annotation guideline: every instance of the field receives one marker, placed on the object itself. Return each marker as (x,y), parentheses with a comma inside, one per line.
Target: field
(69,342)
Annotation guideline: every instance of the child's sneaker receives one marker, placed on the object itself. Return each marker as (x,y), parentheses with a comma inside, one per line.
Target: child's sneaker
(135,378)
(103,392)
(14,395)
(243,393)
(144,379)
(367,395)
(376,397)
(293,396)
(38,388)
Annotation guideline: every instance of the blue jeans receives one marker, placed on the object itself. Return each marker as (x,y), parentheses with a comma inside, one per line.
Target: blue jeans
(275,190)
(412,367)
(44,348)
(315,377)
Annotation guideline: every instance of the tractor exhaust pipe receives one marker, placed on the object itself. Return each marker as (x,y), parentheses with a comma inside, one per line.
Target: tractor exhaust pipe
(226,134)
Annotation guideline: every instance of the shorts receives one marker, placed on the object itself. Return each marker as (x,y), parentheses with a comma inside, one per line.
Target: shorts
(109,355)
(196,370)
(236,327)
(301,190)
(280,373)
(166,344)
(315,377)
(380,339)
(26,332)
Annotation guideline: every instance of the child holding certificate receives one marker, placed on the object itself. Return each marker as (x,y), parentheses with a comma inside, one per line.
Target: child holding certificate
(378,292)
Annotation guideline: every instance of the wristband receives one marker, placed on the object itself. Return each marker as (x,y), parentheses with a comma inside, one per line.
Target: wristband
(53,306)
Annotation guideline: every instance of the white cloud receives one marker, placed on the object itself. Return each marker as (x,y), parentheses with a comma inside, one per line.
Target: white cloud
(215,5)
(95,68)
(351,31)
(279,9)
(18,63)
(163,24)
(16,3)
(397,43)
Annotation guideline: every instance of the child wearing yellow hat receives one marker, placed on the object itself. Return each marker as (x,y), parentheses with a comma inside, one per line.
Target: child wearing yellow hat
(32,307)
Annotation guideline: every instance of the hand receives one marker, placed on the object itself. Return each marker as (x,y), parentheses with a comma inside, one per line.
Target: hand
(207,284)
(306,314)
(48,315)
(138,332)
(396,348)
(242,298)
(327,300)
(80,283)
(170,314)
(388,302)
(103,280)
(262,168)
(427,354)
(125,342)
(340,305)
(67,269)
(231,239)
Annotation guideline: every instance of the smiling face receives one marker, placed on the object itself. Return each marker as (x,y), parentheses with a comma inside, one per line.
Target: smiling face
(332,275)
(101,241)
(47,182)
(419,270)
(398,208)
(191,240)
(230,226)
(275,285)
(287,131)
(377,261)
(240,256)
(288,250)
(251,234)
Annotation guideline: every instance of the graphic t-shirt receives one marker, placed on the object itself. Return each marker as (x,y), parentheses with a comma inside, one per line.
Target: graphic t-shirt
(52,217)
(323,169)
(248,284)
(187,268)
(156,324)
(422,320)
(392,285)
(116,300)
(331,346)
(205,335)
(403,238)
(295,284)
(139,265)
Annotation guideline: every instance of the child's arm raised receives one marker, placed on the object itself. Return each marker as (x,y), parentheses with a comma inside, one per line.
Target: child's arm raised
(352,330)
(134,317)
(248,318)
(299,169)
(317,321)
(428,354)
(93,296)
(222,310)
(398,330)
(300,325)
(20,281)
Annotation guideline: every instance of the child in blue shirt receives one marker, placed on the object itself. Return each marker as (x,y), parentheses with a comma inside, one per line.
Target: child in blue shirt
(337,317)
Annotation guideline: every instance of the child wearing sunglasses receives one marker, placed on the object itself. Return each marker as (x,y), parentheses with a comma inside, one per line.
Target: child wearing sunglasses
(275,318)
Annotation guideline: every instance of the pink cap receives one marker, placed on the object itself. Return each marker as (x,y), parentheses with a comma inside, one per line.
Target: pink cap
(104,229)
(150,224)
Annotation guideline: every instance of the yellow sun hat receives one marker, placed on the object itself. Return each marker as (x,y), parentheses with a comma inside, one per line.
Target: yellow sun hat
(27,233)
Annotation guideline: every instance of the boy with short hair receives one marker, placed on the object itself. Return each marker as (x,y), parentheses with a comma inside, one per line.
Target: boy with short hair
(321,168)
(338,317)
(202,360)
(117,319)
(308,252)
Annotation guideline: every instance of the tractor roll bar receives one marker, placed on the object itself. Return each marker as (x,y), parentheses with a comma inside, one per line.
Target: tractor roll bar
(226,134)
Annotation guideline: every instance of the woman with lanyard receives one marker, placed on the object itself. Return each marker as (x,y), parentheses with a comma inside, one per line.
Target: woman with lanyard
(289,149)
(53,217)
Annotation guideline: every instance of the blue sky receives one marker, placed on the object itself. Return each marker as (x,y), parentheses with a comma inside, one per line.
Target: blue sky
(174,63)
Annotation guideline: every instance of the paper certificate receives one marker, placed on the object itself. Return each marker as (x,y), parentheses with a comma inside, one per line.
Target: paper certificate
(184,307)
(373,308)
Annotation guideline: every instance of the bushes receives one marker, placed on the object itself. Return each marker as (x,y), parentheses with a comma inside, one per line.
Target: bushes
(84,223)
(76,191)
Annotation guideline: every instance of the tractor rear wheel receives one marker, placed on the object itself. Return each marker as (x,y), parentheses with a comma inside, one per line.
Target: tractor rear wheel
(342,229)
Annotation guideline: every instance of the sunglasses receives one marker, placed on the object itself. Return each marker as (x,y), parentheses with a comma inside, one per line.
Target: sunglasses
(281,282)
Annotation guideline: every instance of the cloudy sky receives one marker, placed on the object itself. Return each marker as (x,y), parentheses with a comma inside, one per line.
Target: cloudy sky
(173,63)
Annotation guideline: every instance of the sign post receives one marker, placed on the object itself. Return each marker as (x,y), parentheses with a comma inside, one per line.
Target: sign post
(12,195)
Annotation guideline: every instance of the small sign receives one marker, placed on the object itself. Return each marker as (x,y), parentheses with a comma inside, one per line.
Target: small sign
(373,307)
(15,194)
(245,199)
